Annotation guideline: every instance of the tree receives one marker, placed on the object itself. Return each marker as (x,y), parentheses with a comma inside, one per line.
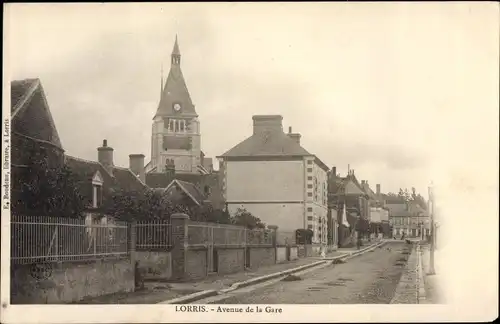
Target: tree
(141,206)
(43,190)
(244,218)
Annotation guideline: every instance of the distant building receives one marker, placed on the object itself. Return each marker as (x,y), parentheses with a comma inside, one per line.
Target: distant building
(349,192)
(273,177)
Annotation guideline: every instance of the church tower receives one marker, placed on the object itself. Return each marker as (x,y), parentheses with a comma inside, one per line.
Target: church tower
(176,128)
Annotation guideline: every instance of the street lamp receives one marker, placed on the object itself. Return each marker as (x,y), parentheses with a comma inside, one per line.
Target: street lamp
(432,271)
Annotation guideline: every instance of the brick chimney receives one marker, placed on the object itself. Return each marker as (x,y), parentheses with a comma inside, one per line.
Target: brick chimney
(267,123)
(105,156)
(136,165)
(378,188)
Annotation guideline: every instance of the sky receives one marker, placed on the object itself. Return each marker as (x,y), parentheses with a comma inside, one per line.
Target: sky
(404,93)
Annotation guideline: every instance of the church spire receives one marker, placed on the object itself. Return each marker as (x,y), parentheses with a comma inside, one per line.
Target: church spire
(176,54)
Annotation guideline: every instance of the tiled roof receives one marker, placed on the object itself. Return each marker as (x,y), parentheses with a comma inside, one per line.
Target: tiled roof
(30,112)
(274,143)
(84,170)
(19,89)
(163,179)
(127,180)
(192,191)
(368,191)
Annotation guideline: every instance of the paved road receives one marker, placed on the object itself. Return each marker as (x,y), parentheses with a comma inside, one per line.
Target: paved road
(368,279)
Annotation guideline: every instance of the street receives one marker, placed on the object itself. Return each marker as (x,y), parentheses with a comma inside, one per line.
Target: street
(368,279)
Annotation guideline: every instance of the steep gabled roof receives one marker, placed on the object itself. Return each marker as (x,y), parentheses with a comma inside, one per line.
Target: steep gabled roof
(189,189)
(368,191)
(84,170)
(267,144)
(30,112)
(351,188)
(175,91)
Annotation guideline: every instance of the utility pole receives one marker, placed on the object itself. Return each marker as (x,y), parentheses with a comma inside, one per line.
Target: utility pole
(432,271)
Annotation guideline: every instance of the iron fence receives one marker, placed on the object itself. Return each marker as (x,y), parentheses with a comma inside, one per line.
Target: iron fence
(285,238)
(153,236)
(203,234)
(260,237)
(53,239)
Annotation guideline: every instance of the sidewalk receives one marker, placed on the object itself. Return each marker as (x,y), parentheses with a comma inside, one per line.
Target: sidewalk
(433,291)
(218,282)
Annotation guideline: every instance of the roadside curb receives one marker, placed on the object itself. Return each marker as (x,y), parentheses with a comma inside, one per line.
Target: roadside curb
(191,297)
(237,285)
(366,249)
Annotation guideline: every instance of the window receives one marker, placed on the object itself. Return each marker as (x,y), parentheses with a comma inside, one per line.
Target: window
(309,186)
(97,190)
(309,209)
(171,125)
(309,178)
(309,226)
(309,218)
(309,194)
(309,170)
(309,162)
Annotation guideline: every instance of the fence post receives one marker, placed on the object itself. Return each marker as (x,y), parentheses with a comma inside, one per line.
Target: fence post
(133,242)
(274,229)
(179,245)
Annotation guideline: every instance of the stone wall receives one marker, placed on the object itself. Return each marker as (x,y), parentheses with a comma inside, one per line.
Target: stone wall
(230,260)
(154,265)
(281,254)
(262,256)
(70,281)
(196,264)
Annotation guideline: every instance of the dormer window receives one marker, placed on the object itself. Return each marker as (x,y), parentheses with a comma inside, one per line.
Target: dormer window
(97,182)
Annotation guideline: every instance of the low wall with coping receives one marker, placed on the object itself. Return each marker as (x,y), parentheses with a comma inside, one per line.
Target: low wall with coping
(154,265)
(69,282)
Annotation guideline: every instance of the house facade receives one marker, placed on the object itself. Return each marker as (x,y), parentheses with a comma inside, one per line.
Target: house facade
(273,177)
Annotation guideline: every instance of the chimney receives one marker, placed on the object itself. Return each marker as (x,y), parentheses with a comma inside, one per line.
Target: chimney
(105,156)
(290,130)
(295,136)
(136,165)
(363,182)
(334,171)
(264,123)
(378,188)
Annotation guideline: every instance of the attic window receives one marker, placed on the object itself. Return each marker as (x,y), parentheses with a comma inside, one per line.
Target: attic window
(206,190)
(97,182)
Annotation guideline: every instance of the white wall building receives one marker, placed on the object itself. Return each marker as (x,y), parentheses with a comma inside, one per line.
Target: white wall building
(272,176)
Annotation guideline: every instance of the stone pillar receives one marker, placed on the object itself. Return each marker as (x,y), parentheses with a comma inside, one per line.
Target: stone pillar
(179,223)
